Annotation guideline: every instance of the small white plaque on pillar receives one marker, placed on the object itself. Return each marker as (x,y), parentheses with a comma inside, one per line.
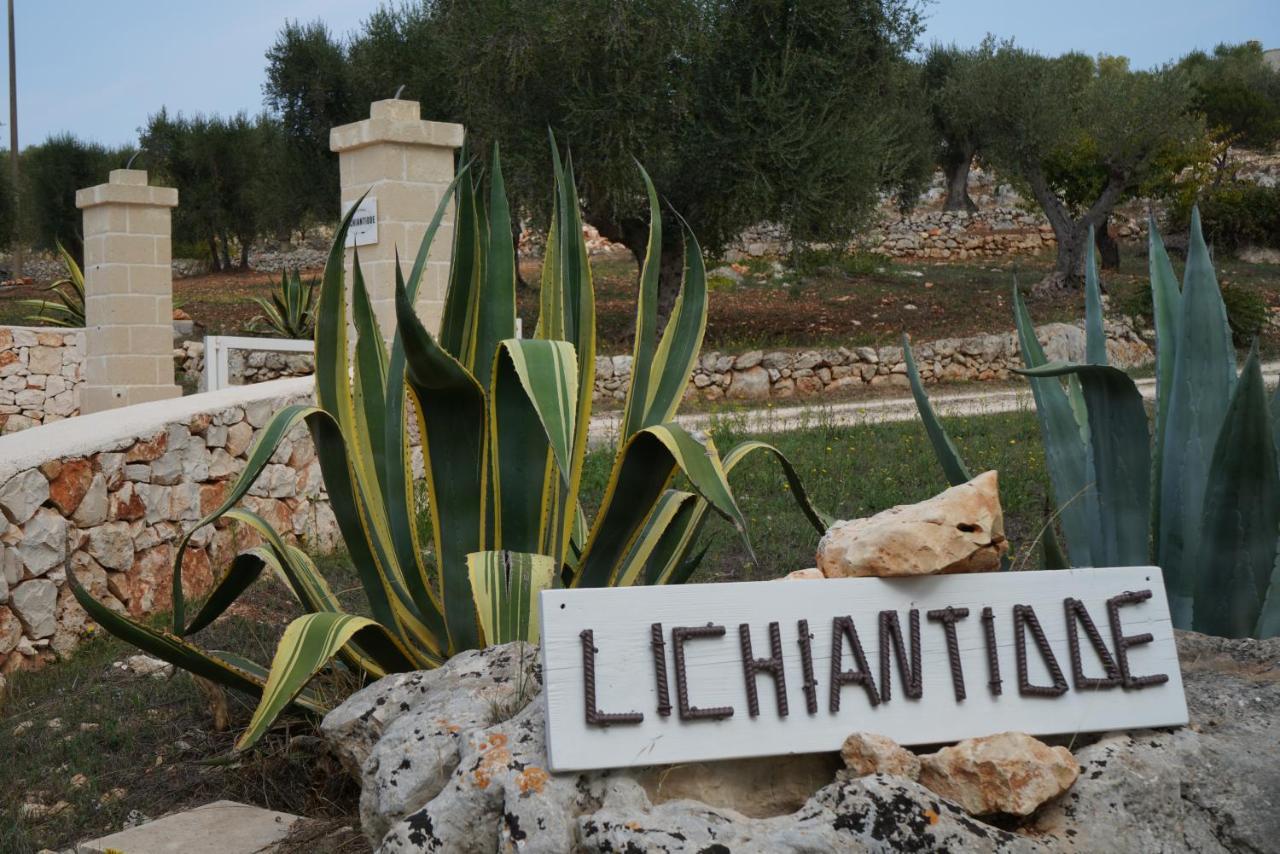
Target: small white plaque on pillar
(652,675)
(364,225)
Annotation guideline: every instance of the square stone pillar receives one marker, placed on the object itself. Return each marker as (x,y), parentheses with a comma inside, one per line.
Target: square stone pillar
(406,165)
(128,283)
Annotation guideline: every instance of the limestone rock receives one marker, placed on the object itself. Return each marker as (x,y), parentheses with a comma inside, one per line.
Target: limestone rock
(404,734)
(92,509)
(239,436)
(34,602)
(959,530)
(751,384)
(22,494)
(867,753)
(871,814)
(810,574)
(449,765)
(68,489)
(1006,773)
(44,541)
(112,545)
(1208,787)
(10,630)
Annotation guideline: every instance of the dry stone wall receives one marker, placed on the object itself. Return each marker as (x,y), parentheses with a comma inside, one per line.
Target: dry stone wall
(106,497)
(783,374)
(935,235)
(41,371)
(246,367)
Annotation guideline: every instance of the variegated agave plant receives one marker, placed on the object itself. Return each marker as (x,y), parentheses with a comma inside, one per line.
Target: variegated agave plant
(1196,488)
(503,427)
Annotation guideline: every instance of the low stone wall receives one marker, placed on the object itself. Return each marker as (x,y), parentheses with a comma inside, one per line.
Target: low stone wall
(246,366)
(941,235)
(781,374)
(41,371)
(935,235)
(106,496)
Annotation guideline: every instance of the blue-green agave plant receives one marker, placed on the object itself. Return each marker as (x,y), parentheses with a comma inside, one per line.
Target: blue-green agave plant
(1193,488)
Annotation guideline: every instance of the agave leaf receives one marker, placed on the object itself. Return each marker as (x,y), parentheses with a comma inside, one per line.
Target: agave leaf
(1204,374)
(506,586)
(495,316)
(641,473)
(165,646)
(943,448)
(659,377)
(308,644)
(634,411)
(1241,515)
(1166,304)
(369,376)
(1119,453)
(259,454)
(1065,445)
(450,408)
(681,339)
(668,562)
(1050,549)
(532,413)
(243,571)
(1095,334)
(464,272)
(396,474)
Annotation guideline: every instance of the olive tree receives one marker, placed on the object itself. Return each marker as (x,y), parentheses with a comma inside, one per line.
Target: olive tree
(1081,135)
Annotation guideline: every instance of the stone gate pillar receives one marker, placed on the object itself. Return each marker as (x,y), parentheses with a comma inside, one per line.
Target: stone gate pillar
(128,292)
(406,164)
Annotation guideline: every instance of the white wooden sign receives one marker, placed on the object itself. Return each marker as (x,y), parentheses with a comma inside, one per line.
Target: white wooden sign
(364,225)
(652,675)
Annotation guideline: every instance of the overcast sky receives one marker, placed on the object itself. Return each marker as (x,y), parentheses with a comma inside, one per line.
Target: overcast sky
(98,69)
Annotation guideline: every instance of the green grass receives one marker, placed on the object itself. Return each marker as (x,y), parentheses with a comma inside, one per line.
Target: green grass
(853,472)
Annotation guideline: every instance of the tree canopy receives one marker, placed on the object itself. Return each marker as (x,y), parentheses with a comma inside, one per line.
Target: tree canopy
(1078,134)
(775,110)
(1238,92)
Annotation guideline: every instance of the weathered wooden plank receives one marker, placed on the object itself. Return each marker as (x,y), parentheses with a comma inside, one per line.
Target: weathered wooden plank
(625,669)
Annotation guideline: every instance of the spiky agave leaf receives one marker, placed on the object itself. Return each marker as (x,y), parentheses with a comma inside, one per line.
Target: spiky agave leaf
(1204,374)
(506,586)
(1241,515)
(1066,442)
(943,448)
(1120,457)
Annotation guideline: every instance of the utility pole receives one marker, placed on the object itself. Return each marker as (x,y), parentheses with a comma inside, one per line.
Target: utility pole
(13,146)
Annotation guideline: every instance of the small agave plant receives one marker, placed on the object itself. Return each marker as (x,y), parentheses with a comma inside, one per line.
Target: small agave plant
(291,311)
(68,309)
(1195,488)
(503,425)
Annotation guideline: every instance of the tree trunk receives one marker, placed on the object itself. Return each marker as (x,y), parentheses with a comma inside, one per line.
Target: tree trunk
(634,234)
(1108,248)
(516,229)
(956,170)
(1072,234)
(226,251)
(215,264)
(244,254)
